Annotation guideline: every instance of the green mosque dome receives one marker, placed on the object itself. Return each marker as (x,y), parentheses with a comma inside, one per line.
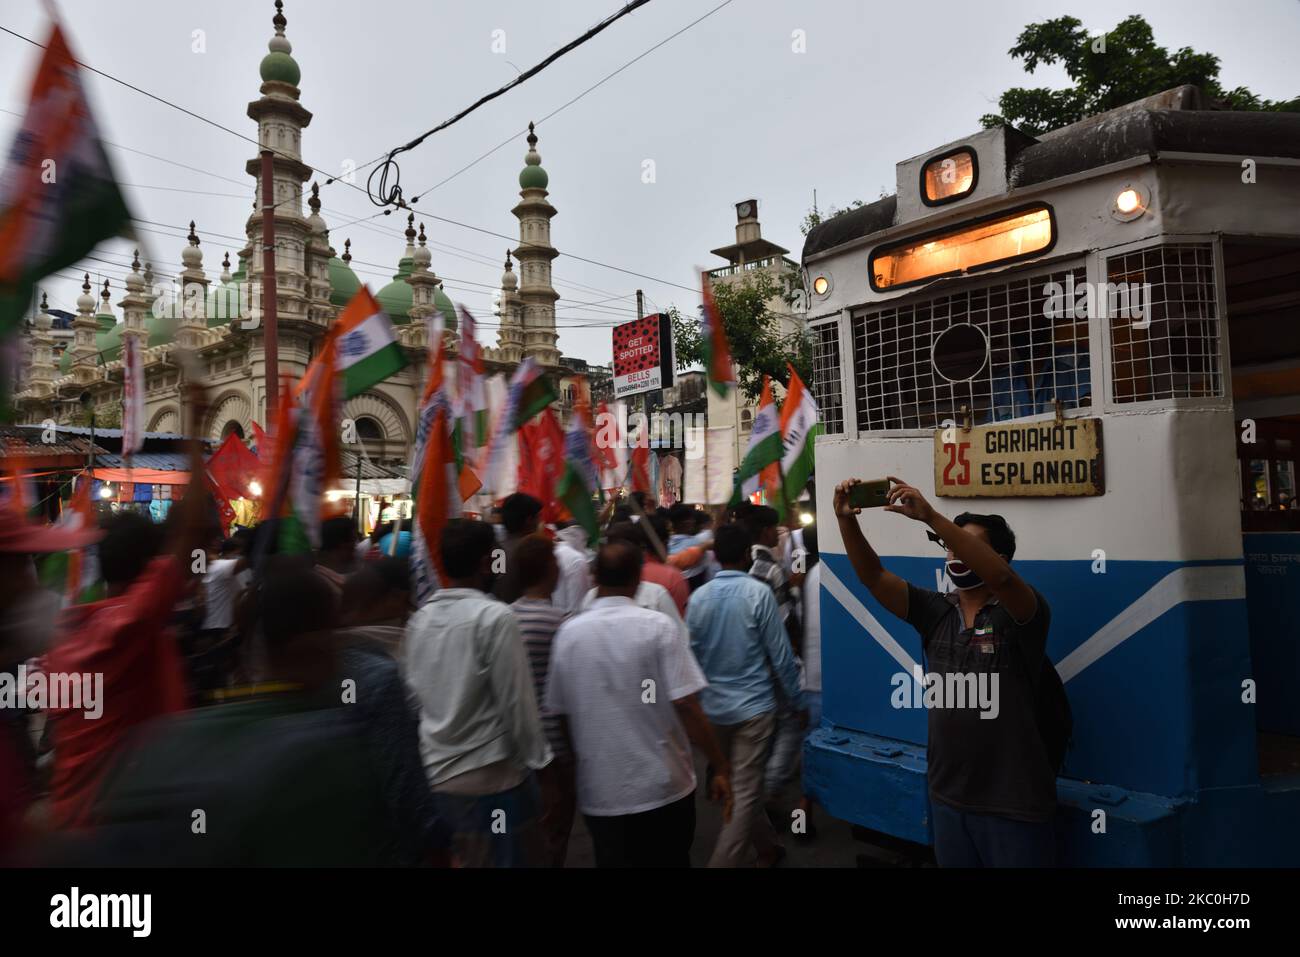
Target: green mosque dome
(109,343)
(444,305)
(533,176)
(280,67)
(344,283)
(398,296)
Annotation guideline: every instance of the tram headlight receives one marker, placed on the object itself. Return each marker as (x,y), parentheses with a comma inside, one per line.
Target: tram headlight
(1130,203)
(821,285)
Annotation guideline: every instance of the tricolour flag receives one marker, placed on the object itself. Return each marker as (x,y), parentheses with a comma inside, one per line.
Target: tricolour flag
(799,428)
(717,352)
(433,474)
(58,196)
(759,466)
(472,384)
(530,392)
(580,481)
(132,396)
(367,350)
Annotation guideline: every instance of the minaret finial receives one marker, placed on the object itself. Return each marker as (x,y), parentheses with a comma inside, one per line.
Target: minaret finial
(410,229)
(225,260)
(314,202)
(532,137)
(347,250)
(507,259)
(422,234)
(279,20)
(85,284)
(45,303)
(193,236)
(105,293)
(135,261)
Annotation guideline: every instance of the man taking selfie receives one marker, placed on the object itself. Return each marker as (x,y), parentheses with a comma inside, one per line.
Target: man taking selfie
(991,778)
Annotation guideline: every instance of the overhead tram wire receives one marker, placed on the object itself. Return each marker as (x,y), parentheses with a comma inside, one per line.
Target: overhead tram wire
(631,6)
(393,196)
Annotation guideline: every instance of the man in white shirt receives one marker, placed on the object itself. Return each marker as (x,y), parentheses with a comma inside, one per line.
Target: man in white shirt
(481,735)
(627,687)
(575,577)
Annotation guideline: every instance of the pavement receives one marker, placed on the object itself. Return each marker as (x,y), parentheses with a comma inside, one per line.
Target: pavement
(832,845)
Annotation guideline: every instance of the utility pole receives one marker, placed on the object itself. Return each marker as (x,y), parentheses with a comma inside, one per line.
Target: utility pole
(270,341)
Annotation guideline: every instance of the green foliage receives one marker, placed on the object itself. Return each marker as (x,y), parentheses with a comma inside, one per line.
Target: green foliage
(1131,66)
(815,217)
(109,418)
(753,330)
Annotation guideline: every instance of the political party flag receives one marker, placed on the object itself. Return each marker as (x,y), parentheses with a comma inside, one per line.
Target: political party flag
(759,466)
(434,474)
(314,462)
(368,351)
(233,467)
(472,384)
(580,481)
(541,461)
(58,195)
(260,443)
(606,446)
(530,392)
(132,396)
(717,351)
(799,430)
(83,564)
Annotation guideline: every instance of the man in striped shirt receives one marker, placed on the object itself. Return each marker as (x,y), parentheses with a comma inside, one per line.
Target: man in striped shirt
(537,572)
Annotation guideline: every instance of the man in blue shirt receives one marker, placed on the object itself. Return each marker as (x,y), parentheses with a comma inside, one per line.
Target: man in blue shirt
(739,641)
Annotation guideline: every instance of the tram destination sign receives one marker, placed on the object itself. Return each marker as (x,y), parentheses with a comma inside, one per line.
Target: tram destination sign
(1020,460)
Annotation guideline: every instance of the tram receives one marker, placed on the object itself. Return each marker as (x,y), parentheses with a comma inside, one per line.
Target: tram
(1096,334)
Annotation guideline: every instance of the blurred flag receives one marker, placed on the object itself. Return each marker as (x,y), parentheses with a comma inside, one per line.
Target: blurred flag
(472,384)
(434,474)
(580,481)
(530,392)
(58,196)
(759,467)
(799,430)
(717,352)
(83,566)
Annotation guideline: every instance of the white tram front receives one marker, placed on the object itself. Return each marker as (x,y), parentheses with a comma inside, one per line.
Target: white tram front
(1096,334)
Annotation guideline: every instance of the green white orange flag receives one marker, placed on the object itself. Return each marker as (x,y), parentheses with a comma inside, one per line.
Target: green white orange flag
(799,429)
(759,467)
(580,483)
(58,195)
(717,351)
(367,350)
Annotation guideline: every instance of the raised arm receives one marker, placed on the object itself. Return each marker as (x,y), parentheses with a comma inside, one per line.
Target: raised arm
(995,571)
(884,585)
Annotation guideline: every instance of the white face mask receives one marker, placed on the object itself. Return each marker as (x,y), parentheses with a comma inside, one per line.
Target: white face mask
(962,577)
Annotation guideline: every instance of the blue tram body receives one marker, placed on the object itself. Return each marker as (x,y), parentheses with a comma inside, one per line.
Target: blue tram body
(1175,592)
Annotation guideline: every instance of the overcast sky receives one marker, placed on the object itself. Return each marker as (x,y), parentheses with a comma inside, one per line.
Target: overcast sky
(726,111)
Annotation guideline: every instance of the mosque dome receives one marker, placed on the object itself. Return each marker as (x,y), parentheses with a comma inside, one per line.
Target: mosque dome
(533,176)
(344,283)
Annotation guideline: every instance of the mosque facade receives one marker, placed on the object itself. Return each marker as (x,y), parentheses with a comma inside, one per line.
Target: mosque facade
(210,318)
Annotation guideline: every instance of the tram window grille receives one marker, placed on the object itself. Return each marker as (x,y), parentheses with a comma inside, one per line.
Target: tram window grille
(826,384)
(1037,352)
(1170,348)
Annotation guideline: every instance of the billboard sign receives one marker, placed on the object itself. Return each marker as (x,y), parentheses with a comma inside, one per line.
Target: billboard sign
(643,355)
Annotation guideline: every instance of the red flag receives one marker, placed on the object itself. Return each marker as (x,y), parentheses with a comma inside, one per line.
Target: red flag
(233,467)
(541,460)
(717,351)
(641,467)
(260,441)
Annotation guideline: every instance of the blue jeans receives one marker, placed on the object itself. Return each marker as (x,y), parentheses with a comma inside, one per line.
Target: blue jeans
(962,839)
(496,830)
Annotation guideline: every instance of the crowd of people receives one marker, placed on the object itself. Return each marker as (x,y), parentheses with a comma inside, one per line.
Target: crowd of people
(263,708)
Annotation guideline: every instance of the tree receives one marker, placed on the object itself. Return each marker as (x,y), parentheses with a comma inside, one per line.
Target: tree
(753,329)
(1108,71)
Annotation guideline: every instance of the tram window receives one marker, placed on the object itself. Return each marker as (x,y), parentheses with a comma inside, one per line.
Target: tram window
(984,242)
(826,377)
(1033,356)
(949,177)
(1283,484)
(1258,489)
(1164,323)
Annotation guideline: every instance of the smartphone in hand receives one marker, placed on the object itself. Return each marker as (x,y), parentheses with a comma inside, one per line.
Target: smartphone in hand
(869,494)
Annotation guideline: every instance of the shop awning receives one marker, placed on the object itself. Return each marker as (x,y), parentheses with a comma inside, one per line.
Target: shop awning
(143,476)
